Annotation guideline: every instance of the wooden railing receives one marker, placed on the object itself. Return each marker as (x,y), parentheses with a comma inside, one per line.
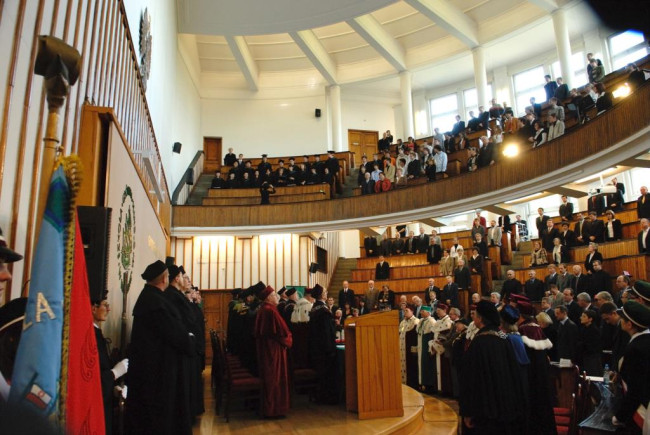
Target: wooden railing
(626,118)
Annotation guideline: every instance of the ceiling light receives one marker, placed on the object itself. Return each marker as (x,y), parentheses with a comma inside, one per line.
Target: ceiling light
(622,91)
(511,150)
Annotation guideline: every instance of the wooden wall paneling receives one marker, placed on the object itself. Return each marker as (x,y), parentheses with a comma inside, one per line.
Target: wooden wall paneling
(214,265)
(196,259)
(230,262)
(205,264)
(221,276)
(287,261)
(11,77)
(295,259)
(255,261)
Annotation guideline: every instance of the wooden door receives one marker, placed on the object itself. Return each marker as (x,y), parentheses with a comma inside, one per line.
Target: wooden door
(212,154)
(362,142)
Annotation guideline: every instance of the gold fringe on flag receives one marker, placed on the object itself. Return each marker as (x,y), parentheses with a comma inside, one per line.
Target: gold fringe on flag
(73,169)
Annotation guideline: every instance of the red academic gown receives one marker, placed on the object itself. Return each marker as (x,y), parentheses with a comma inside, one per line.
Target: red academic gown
(273,338)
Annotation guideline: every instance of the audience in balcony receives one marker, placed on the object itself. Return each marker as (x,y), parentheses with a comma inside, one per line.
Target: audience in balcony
(562,91)
(383,184)
(368,185)
(560,253)
(643,204)
(229,158)
(550,87)
(643,237)
(555,126)
(613,227)
(538,256)
(540,135)
(636,77)
(603,98)
(592,255)
(596,72)
(217,181)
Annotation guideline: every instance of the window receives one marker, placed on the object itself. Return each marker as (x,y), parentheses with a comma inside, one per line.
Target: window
(627,47)
(529,84)
(443,112)
(470,97)
(579,66)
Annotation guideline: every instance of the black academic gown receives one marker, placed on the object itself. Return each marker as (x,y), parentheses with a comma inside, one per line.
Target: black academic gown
(322,351)
(159,343)
(106,375)
(490,392)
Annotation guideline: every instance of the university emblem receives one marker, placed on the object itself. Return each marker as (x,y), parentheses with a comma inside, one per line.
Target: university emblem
(126,241)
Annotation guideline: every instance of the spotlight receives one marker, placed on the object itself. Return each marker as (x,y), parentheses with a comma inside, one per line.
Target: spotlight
(622,91)
(511,150)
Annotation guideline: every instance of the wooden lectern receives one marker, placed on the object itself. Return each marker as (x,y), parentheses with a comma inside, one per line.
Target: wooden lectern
(373,381)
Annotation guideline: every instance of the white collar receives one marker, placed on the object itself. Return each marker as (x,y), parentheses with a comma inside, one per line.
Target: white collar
(645,331)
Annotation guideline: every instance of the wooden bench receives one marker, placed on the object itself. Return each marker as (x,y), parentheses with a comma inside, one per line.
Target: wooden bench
(283,195)
(410,285)
(608,250)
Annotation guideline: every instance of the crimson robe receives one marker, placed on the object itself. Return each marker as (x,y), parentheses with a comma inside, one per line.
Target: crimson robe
(272,339)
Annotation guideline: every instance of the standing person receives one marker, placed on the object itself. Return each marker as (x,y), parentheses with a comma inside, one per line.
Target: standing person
(159,341)
(442,330)
(322,346)
(272,338)
(490,395)
(346,296)
(426,364)
(635,370)
(589,344)
(266,190)
(100,309)
(382,269)
(408,341)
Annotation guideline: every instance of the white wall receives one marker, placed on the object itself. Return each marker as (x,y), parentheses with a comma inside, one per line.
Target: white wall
(367,115)
(349,244)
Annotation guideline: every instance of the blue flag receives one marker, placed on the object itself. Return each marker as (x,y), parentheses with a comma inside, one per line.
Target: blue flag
(35,380)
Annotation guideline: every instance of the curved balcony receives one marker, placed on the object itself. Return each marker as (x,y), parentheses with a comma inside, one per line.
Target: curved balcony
(621,133)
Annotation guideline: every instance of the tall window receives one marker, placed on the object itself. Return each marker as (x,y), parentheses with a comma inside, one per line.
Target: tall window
(443,112)
(627,47)
(579,67)
(470,97)
(529,83)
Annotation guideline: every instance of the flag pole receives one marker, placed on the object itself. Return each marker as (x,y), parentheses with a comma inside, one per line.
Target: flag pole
(59,64)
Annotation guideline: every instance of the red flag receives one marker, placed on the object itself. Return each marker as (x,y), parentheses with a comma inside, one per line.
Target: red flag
(83,402)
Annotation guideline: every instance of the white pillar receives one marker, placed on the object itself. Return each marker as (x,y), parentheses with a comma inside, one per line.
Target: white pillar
(563,45)
(407,104)
(480,76)
(335,104)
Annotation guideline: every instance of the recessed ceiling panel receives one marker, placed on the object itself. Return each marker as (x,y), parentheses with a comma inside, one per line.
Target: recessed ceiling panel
(214,51)
(333,30)
(218,65)
(356,55)
(395,11)
(424,36)
(275,51)
(284,64)
(494,8)
(256,17)
(408,24)
(349,41)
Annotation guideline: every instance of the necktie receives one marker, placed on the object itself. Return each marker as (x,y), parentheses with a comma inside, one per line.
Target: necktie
(643,200)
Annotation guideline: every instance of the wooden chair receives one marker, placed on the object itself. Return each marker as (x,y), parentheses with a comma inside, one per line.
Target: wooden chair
(238,382)
(566,425)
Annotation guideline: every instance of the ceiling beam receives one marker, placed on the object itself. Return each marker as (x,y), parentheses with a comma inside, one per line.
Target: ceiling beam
(316,53)
(374,33)
(369,232)
(547,5)
(432,222)
(245,60)
(572,193)
(636,163)
(499,211)
(449,17)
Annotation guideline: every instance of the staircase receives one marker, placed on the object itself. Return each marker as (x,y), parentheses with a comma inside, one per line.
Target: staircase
(342,272)
(200,190)
(520,260)
(350,183)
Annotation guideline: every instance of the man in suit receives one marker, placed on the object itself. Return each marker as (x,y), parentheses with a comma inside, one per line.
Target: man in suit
(581,282)
(643,204)
(567,237)
(574,310)
(537,108)
(422,242)
(643,238)
(550,87)
(371,297)
(397,245)
(368,185)
(494,234)
(579,229)
(459,127)
(416,301)
(548,234)
(229,158)
(480,244)
(511,286)
(382,269)
(564,278)
(450,293)
(346,296)
(596,203)
(533,287)
(595,231)
(566,209)
(567,334)
(473,122)
(551,277)
(540,221)
(547,307)
(483,118)
(600,280)
(370,245)
(432,288)
(562,91)
(411,243)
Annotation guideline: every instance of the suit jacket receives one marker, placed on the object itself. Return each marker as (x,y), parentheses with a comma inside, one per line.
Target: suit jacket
(566,210)
(397,246)
(618,230)
(414,168)
(596,203)
(367,187)
(590,261)
(510,287)
(387,247)
(643,206)
(550,279)
(540,223)
(494,236)
(575,312)
(476,264)
(579,230)
(600,281)
(411,245)
(534,289)
(347,297)
(640,238)
(567,339)
(568,239)
(462,277)
(482,248)
(581,283)
(447,265)
(597,230)
(458,128)
(565,281)
(422,243)
(382,271)
(436,289)
(547,238)
(370,245)
(450,292)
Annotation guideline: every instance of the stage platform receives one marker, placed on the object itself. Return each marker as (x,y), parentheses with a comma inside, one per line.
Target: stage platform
(422,415)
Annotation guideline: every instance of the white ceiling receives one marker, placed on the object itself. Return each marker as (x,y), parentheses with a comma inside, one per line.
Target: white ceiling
(361,45)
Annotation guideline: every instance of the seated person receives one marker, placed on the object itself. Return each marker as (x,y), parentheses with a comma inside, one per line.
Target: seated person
(400,179)
(217,181)
(538,256)
(257,179)
(430,169)
(246,180)
(281,177)
(368,185)
(603,98)
(636,77)
(362,175)
(383,185)
(232,182)
(555,127)
(315,178)
(472,161)
(473,122)
(540,136)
